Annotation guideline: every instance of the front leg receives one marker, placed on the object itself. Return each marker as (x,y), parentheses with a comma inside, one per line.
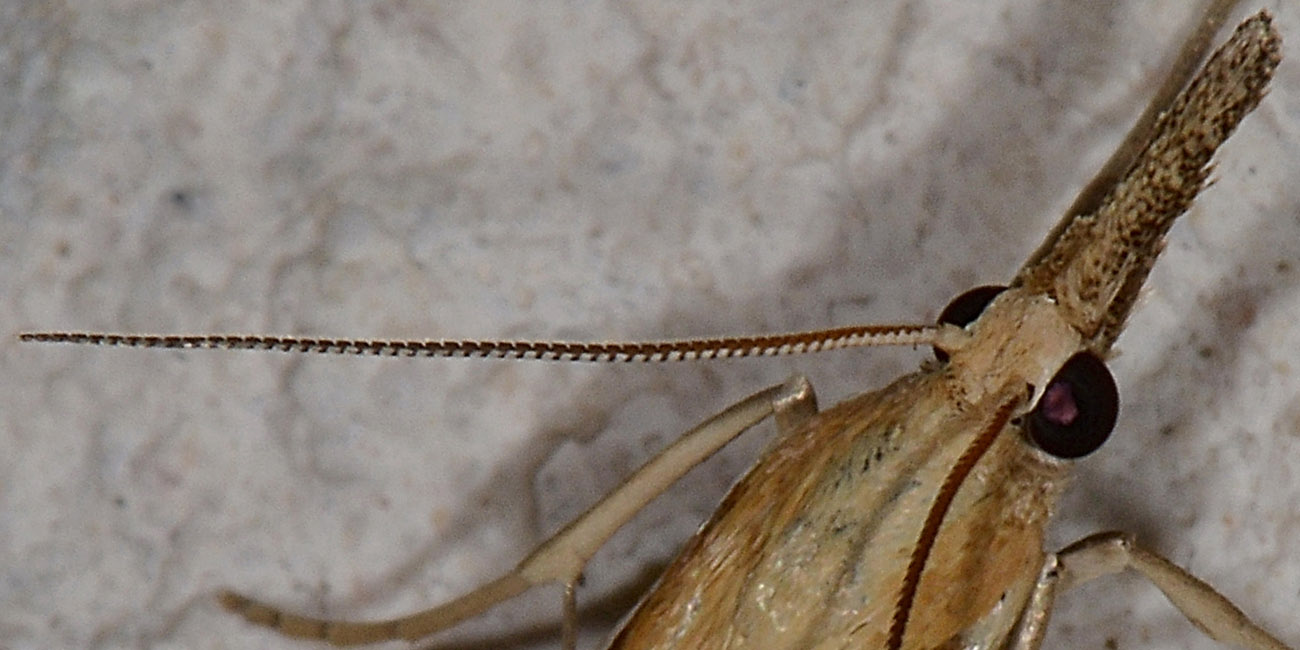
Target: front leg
(561,558)
(1109,553)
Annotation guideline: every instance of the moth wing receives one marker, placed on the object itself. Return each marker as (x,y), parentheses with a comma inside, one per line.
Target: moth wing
(809,548)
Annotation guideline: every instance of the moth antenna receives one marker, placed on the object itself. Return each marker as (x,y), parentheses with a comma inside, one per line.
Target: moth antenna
(934,519)
(946,337)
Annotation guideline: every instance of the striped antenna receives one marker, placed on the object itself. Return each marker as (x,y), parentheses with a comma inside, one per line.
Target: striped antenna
(650,351)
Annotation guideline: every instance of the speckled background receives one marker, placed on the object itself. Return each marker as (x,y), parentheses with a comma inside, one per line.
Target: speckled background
(583,170)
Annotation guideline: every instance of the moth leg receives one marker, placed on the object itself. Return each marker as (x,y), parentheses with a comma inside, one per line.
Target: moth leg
(1109,553)
(795,406)
(561,558)
(569,628)
(1031,628)
(790,404)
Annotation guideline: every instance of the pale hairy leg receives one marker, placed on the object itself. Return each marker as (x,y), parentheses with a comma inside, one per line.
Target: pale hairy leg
(1112,552)
(561,558)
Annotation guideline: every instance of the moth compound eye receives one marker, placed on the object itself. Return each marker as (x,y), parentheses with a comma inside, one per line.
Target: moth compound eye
(964,309)
(1077,411)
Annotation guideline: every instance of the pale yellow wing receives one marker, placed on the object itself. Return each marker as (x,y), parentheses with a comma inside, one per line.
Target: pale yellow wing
(809,548)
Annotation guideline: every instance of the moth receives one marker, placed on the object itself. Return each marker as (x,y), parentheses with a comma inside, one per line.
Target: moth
(911,516)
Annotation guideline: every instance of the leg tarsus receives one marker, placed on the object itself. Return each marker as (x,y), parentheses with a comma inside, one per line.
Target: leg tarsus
(569,627)
(1207,609)
(1031,629)
(562,557)
(347,633)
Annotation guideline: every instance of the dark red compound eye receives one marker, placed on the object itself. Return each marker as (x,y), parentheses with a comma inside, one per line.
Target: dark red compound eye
(1077,412)
(964,309)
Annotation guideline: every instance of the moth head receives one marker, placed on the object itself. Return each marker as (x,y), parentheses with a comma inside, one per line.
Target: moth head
(1018,337)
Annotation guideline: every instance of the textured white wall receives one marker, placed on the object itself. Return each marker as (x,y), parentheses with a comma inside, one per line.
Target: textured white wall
(588,170)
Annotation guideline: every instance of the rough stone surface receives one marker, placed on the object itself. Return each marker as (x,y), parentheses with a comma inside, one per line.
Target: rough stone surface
(577,170)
